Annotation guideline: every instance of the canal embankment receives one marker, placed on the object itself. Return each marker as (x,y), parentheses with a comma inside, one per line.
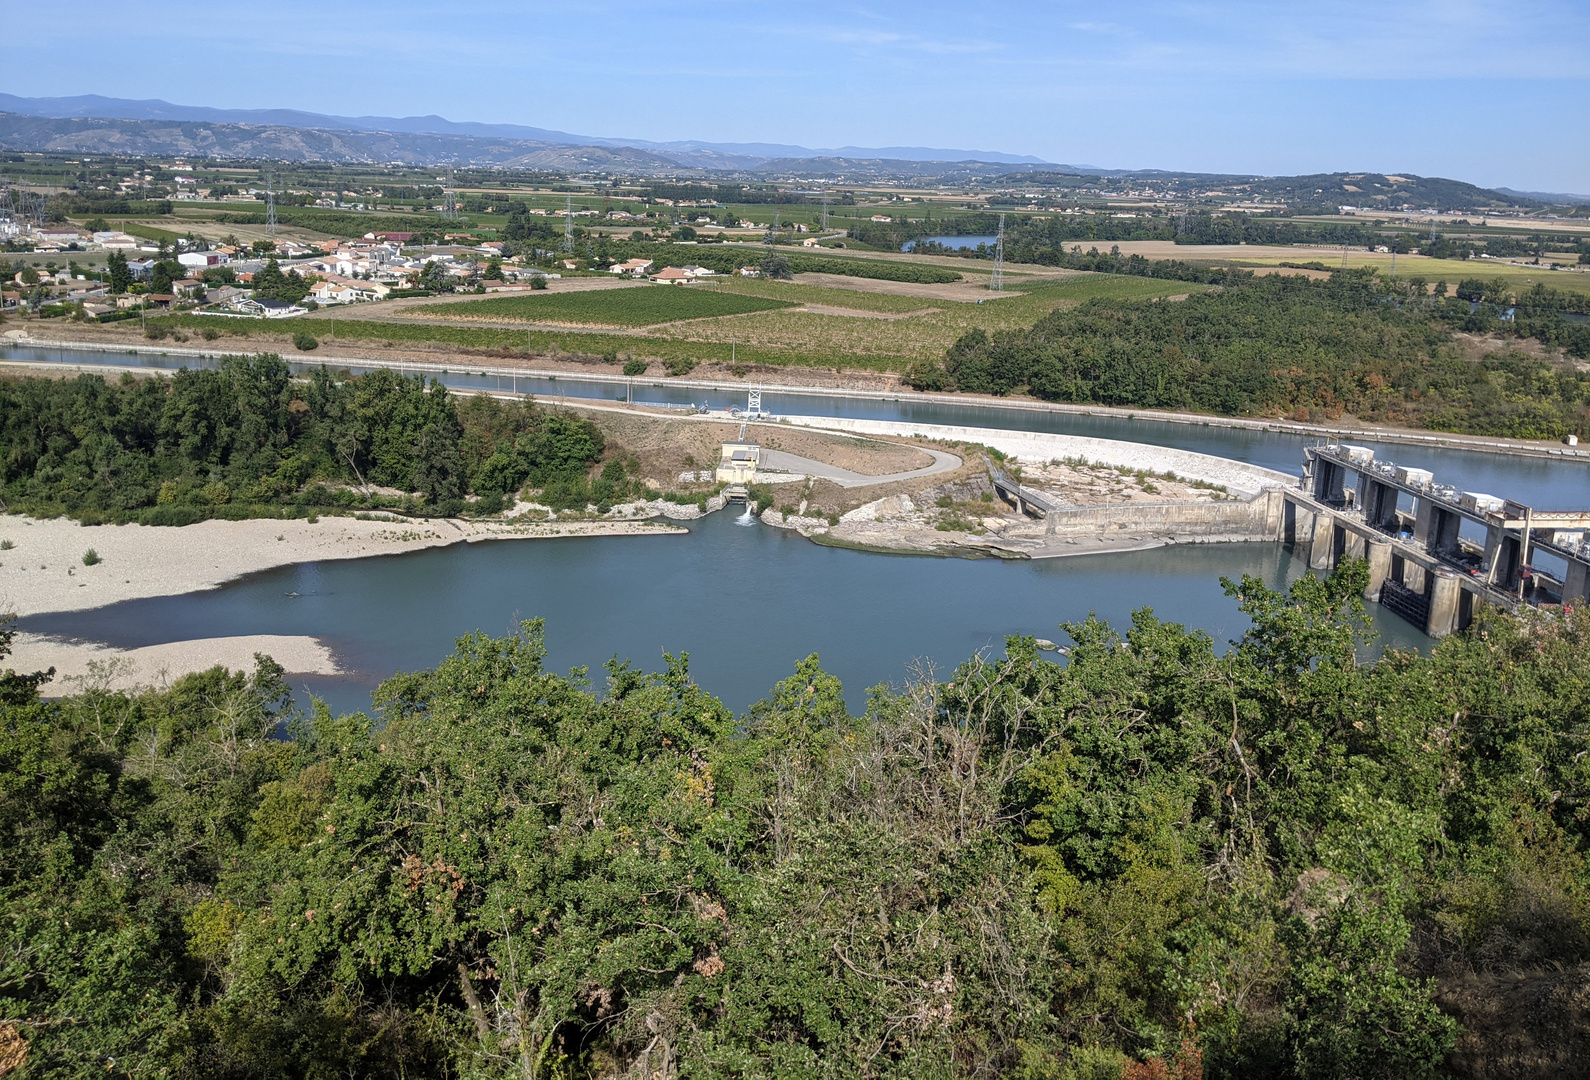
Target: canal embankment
(809,383)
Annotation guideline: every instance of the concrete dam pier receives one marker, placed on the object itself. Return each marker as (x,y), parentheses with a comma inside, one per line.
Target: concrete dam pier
(1436,555)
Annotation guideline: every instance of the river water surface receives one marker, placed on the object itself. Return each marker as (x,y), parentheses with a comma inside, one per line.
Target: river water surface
(746,603)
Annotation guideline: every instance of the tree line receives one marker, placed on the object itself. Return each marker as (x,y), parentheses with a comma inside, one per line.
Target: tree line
(1285,345)
(247,439)
(1159,859)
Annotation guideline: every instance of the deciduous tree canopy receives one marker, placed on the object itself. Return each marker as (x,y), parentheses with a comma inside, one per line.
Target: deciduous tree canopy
(1154,860)
(1285,345)
(247,435)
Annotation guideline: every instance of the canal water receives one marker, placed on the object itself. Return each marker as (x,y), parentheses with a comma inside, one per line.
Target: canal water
(1544,483)
(746,603)
(955,243)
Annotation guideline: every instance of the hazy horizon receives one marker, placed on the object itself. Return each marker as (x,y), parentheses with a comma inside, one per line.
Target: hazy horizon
(1480,92)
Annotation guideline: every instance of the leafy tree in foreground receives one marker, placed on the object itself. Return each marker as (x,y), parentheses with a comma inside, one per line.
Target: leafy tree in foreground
(1156,860)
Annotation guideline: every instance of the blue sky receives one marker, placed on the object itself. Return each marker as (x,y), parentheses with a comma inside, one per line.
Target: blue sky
(1495,93)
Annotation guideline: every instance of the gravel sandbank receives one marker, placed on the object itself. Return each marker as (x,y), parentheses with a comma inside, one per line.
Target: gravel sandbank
(79,664)
(43,570)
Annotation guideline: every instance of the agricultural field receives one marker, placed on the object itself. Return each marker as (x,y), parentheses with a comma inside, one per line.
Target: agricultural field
(644,306)
(893,340)
(786,324)
(1256,257)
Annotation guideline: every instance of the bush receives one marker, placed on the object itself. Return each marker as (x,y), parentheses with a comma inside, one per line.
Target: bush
(209,333)
(634,367)
(489,504)
(679,365)
(304,341)
(90,557)
(539,281)
(6,545)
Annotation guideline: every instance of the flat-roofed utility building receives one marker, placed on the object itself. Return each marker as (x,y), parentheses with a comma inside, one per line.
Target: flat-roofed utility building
(738,463)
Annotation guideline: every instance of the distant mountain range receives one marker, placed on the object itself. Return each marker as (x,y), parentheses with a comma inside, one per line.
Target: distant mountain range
(691,152)
(1556,198)
(100,125)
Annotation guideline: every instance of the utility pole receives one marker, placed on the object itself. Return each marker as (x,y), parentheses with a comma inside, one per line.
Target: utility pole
(996,280)
(568,224)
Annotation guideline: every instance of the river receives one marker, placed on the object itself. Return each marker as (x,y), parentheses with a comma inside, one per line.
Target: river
(747,602)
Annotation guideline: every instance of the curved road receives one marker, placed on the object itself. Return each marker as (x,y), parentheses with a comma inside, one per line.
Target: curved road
(779,461)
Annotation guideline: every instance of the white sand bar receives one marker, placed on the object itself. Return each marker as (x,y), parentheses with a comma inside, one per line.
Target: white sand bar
(80,664)
(1032,446)
(44,570)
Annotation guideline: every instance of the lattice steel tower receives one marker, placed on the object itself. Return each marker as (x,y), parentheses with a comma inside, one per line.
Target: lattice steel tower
(996,280)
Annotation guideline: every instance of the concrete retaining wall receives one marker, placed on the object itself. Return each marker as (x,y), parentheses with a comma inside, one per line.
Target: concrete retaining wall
(1258,518)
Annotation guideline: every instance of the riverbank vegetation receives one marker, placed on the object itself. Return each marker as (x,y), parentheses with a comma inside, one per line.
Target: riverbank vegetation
(246,439)
(1290,346)
(1155,860)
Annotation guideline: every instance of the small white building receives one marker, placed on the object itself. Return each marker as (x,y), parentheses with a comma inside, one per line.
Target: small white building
(738,462)
(201,259)
(631,267)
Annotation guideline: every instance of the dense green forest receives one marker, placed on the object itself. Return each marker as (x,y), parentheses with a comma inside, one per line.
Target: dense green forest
(1155,860)
(1290,346)
(246,439)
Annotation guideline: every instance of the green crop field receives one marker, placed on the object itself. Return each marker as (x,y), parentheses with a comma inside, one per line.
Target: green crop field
(648,306)
(845,328)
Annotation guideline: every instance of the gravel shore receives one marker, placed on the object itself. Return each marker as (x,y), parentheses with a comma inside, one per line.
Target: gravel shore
(81,665)
(43,571)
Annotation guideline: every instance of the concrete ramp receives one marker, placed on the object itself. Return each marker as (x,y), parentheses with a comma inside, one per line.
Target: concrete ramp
(1236,476)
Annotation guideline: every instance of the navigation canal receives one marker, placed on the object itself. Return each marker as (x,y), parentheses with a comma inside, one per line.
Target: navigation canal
(1545,483)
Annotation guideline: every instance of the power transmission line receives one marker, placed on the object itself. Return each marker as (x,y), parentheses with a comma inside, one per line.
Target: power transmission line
(568,224)
(270,203)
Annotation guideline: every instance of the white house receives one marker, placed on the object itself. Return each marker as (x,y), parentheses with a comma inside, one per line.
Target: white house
(631,267)
(268,309)
(343,290)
